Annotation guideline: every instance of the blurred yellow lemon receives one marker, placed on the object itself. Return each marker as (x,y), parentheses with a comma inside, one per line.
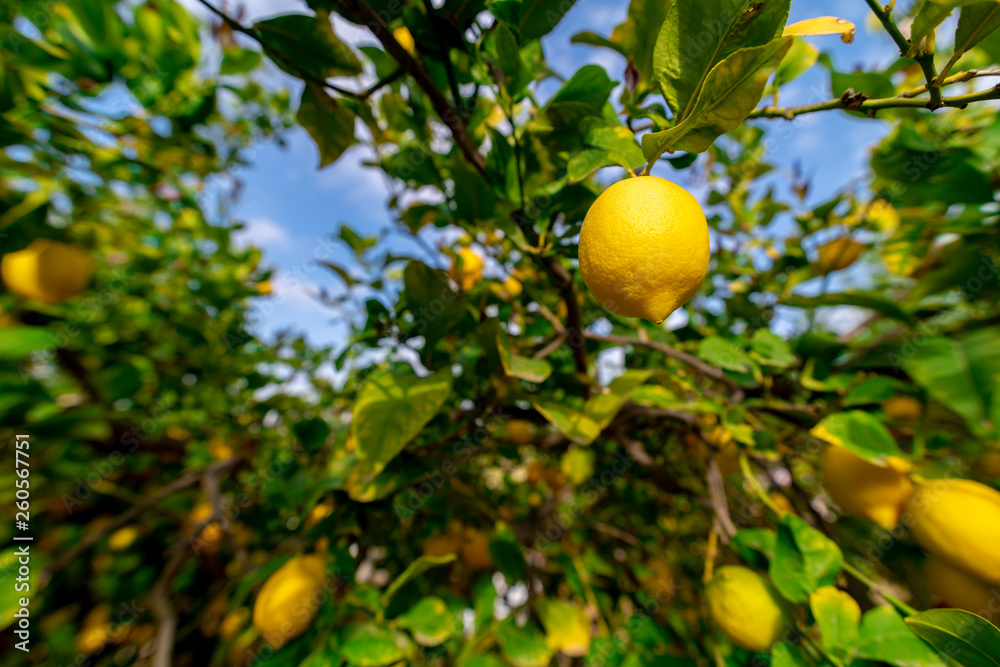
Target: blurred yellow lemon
(211,535)
(839,254)
(233,622)
(123,538)
(959,589)
(903,408)
(47,271)
(865,490)
(520,431)
(958,520)
(467,268)
(405,39)
(644,248)
(745,606)
(290,598)
(475,549)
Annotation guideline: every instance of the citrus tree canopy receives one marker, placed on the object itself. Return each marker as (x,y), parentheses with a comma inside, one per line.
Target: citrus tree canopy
(591,417)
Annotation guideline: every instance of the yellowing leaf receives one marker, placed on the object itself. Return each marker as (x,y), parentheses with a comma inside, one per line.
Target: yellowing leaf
(824,25)
(567,627)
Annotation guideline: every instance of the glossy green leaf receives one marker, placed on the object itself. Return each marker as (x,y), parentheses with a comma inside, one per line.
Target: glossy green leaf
(966,638)
(18,342)
(695,37)
(391,409)
(575,425)
(771,349)
(412,571)
(372,646)
(731,90)
(929,15)
(876,302)
(975,23)
(838,616)
(605,405)
(429,621)
(860,433)
(804,560)
(886,637)
(524,368)
(941,367)
(523,647)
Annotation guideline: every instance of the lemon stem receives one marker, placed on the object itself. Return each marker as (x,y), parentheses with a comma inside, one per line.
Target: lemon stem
(755,485)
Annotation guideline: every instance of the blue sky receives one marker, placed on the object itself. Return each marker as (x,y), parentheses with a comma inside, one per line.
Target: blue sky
(289,206)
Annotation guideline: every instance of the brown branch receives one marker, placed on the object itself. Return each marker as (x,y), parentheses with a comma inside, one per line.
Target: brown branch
(683,357)
(164,610)
(448,114)
(93,538)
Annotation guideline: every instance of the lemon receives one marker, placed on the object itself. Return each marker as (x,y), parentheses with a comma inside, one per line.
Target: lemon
(405,39)
(839,254)
(903,408)
(958,520)
(123,538)
(961,590)
(520,431)
(467,268)
(233,622)
(288,600)
(747,608)
(210,538)
(441,544)
(865,490)
(658,583)
(95,631)
(475,549)
(644,248)
(46,271)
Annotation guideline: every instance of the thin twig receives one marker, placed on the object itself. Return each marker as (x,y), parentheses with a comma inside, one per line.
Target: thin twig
(871,106)
(685,358)
(164,609)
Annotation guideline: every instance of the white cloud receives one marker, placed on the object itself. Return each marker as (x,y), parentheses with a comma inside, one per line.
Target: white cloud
(261,232)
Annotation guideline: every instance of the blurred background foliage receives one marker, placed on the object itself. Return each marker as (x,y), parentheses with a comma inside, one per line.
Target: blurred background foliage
(473,490)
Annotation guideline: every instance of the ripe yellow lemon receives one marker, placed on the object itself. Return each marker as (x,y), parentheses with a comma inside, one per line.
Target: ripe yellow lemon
(746,607)
(839,254)
(961,590)
(467,268)
(958,520)
(520,431)
(475,549)
(47,271)
(644,248)
(903,408)
(865,490)
(290,598)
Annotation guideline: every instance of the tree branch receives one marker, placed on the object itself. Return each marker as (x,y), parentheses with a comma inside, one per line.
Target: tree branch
(925,59)
(448,114)
(871,106)
(683,357)
(93,538)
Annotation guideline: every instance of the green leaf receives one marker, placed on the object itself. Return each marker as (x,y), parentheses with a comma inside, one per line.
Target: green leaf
(10,597)
(876,302)
(930,14)
(860,433)
(307,44)
(755,545)
(237,60)
(975,23)
(788,655)
(604,406)
(869,84)
(578,465)
(359,244)
(370,645)
(311,432)
(732,90)
(523,368)
(18,342)
(412,571)
(887,638)
(484,660)
(941,367)
(391,409)
(508,55)
(523,647)
(804,560)
(586,162)
(575,425)
(429,621)
(969,640)
(697,36)
(771,349)
(837,614)
(724,353)
(330,124)
(540,17)
(619,142)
